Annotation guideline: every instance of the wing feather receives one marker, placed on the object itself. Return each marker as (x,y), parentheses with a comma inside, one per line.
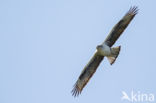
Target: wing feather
(86,74)
(120,26)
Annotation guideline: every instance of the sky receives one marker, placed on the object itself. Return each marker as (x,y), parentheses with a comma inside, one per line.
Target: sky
(45,44)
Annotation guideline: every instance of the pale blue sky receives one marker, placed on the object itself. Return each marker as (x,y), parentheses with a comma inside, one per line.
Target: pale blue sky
(46,43)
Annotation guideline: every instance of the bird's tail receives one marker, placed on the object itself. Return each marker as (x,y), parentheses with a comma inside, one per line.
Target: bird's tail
(115,52)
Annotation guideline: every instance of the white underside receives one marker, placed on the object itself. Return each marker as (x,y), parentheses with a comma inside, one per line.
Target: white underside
(105,51)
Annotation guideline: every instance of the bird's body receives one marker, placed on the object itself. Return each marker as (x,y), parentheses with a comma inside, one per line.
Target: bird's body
(110,53)
(104,50)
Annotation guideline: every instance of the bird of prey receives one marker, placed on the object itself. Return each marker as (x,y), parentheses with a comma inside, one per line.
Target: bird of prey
(104,50)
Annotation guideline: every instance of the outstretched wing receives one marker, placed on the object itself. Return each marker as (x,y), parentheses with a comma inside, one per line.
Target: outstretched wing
(120,26)
(86,74)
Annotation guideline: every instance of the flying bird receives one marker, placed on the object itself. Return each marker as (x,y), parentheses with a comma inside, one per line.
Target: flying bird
(104,50)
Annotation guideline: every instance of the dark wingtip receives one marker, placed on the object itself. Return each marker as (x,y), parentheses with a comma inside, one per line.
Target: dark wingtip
(133,10)
(76,91)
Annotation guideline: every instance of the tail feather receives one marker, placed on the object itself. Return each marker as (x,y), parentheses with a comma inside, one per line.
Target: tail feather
(115,52)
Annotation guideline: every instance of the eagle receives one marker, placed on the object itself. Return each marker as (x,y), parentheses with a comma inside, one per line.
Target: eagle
(104,50)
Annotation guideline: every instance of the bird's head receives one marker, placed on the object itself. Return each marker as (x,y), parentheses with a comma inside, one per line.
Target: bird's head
(99,47)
